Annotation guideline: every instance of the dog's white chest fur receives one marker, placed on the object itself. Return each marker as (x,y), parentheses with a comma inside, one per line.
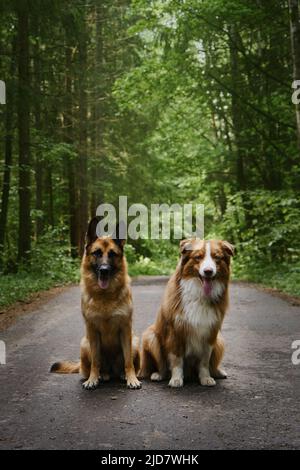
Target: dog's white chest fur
(198,315)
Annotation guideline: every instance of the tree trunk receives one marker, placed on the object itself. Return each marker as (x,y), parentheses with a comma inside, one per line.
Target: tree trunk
(68,125)
(8,150)
(98,168)
(83,144)
(24,241)
(295,42)
(39,166)
(237,111)
(49,191)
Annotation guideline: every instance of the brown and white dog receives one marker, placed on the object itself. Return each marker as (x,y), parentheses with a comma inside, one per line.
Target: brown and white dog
(185,337)
(109,347)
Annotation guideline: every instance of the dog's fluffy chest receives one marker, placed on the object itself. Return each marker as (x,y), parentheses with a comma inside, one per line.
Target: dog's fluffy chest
(199,317)
(97,311)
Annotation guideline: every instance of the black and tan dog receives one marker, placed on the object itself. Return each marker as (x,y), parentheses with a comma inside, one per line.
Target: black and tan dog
(109,347)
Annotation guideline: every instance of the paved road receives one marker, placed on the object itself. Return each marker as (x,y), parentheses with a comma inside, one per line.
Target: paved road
(258,406)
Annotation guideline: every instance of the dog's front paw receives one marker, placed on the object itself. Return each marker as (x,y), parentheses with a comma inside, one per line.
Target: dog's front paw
(207,381)
(133,383)
(156,377)
(220,374)
(176,382)
(91,383)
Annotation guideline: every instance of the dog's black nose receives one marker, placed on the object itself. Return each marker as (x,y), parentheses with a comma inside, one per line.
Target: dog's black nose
(104,269)
(208,272)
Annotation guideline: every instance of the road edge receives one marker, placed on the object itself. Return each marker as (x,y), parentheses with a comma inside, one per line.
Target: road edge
(9,316)
(37,299)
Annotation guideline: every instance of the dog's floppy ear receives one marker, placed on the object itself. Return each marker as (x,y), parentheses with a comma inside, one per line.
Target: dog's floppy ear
(228,248)
(91,234)
(119,236)
(185,245)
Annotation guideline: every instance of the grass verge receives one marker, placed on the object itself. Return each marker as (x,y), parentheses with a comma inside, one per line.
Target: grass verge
(20,287)
(284,277)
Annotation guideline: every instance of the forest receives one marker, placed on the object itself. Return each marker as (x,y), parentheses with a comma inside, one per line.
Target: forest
(163,101)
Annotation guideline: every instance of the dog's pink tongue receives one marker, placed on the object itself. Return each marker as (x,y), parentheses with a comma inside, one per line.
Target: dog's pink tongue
(103,283)
(207,286)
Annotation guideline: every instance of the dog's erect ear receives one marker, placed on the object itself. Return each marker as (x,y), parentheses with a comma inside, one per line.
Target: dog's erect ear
(91,234)
(228,248)
(119,236)
(185,246)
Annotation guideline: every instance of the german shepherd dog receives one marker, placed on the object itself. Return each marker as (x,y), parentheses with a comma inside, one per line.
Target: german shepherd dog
(109,347)
(185,338)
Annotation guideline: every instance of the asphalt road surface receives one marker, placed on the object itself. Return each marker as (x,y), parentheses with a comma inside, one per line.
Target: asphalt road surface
(258,406)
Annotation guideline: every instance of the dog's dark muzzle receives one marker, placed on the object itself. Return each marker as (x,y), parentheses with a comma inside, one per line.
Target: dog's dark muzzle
(103,271)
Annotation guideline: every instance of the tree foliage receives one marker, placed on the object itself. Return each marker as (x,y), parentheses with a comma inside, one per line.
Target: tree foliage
(162,101)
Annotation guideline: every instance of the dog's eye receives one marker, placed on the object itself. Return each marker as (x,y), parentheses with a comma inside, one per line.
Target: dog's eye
(97,253)
(198,258)
(219,258)
(111,254)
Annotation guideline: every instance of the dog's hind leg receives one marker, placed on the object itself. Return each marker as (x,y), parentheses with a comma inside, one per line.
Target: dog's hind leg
(146,362)
(216,358)
(85,358)
(136,353)
(153,363)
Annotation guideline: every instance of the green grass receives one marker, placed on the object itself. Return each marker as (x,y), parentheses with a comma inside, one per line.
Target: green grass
(148,267)
(285,277)
(21,286)
(57,269)
(61,270)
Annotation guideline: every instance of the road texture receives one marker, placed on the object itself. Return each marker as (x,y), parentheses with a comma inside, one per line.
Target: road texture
(258,406)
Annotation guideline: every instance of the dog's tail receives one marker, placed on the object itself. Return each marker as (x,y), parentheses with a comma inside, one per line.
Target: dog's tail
(65,367)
